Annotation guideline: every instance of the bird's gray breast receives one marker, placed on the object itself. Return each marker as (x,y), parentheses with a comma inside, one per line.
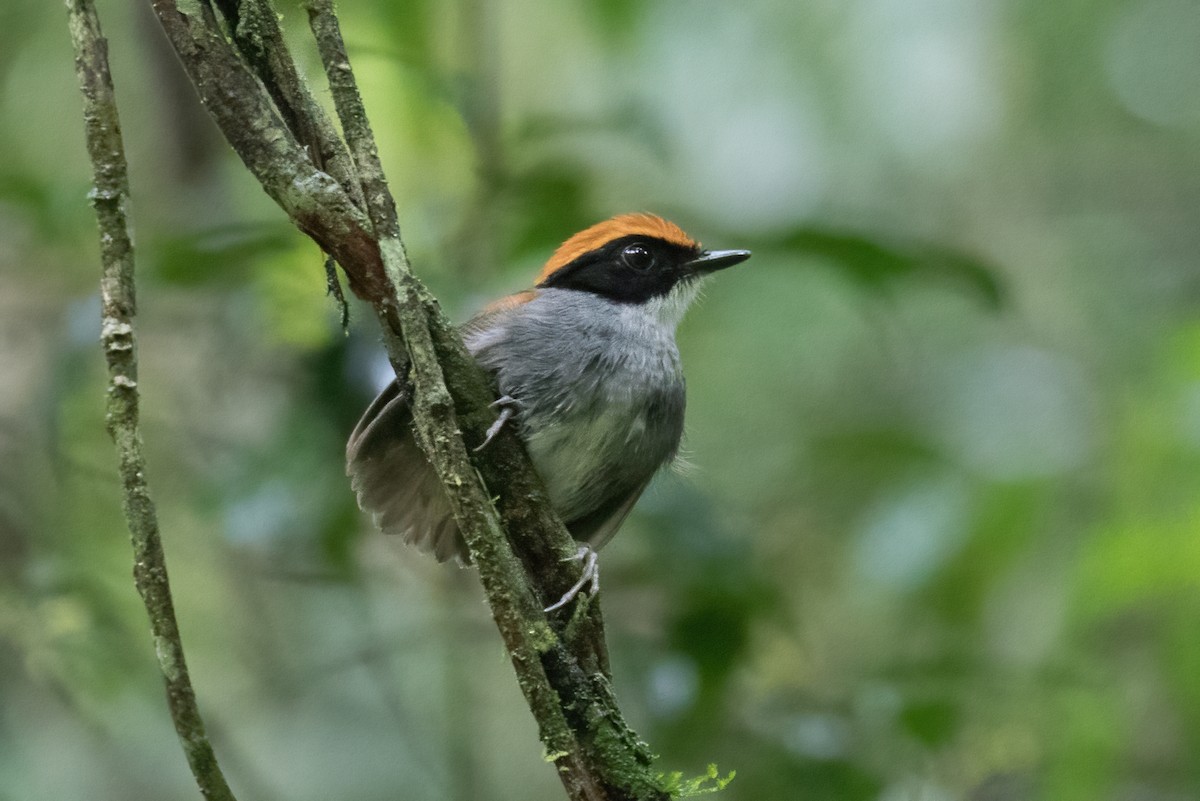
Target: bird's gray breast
(599,388)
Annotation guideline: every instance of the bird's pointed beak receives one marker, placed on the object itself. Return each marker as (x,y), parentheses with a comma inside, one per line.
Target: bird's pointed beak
(712,260)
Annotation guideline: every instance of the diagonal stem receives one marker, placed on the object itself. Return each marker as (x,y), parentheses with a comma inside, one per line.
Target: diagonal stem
(314,201)
(256,32)
(513,606)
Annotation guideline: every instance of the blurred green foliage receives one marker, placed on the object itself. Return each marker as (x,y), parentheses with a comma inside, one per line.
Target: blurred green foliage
(939,533)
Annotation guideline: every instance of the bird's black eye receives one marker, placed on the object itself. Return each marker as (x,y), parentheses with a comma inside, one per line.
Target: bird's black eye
(638,257)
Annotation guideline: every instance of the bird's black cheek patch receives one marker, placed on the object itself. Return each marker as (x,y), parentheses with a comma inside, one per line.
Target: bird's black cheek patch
(609,282)
(603,271)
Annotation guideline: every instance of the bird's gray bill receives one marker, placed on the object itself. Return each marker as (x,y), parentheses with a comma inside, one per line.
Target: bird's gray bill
(713,260)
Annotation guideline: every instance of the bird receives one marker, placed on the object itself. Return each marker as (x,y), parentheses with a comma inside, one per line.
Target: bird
(586,366)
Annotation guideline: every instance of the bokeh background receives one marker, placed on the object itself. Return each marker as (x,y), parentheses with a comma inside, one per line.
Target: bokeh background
(938,536)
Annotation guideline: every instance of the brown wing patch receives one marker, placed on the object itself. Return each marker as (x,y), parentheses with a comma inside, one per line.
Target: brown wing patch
(640,223)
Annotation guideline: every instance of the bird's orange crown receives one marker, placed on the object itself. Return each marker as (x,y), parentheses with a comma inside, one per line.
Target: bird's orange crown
(636,224)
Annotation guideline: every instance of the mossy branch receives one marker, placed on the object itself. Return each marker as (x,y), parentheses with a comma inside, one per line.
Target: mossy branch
(269,119)
(110,196)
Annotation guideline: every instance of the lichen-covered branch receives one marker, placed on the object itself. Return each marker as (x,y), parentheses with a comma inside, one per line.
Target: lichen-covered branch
(313,199)
(259,39)
(110,196)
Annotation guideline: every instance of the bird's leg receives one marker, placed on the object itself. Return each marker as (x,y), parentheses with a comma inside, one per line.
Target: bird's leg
(591,572)
(508,407)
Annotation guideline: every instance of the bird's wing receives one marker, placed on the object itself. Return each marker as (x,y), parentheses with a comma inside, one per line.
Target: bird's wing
(598,527)
(389,472)
(394,481)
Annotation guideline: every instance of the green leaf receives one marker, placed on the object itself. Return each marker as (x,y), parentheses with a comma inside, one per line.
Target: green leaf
(709,782)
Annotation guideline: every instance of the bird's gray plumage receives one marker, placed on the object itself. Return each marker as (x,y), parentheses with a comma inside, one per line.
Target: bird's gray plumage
(600,399)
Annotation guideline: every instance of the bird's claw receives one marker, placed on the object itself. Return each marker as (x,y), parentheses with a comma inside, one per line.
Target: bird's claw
(508,408)
(591,573)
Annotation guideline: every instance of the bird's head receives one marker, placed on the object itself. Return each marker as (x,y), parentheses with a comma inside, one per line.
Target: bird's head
(636,259)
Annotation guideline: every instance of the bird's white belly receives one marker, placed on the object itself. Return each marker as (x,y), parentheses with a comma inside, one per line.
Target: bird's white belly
(599,391)
(583,459)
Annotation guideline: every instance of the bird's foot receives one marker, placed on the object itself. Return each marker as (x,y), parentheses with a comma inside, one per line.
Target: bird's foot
(591,573)
(508,407)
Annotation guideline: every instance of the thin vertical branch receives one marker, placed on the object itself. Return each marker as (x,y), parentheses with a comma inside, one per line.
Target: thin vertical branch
(110,196)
